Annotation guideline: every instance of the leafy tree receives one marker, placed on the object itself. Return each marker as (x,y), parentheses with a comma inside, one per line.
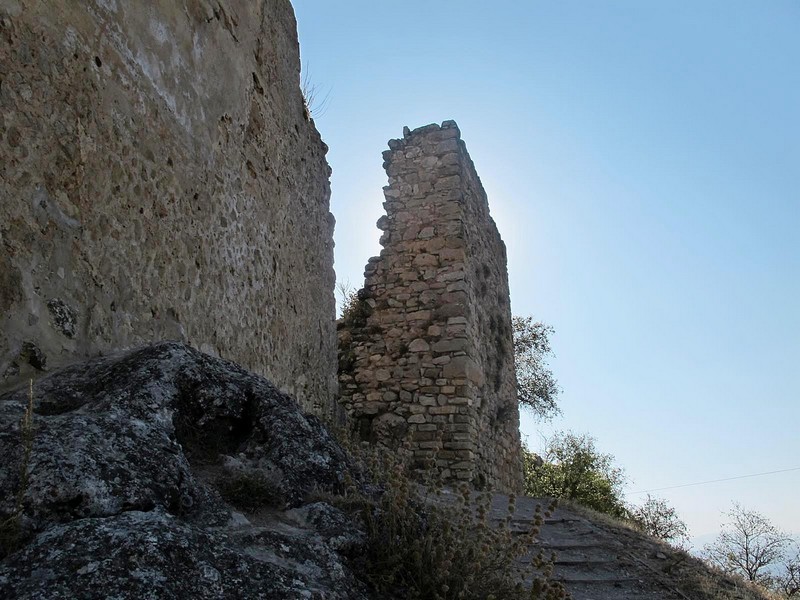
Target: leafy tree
(749,545)
(657,518)
(573,468)
(537,388)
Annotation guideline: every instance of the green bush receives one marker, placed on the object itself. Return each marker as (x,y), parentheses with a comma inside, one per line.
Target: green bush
(574,469)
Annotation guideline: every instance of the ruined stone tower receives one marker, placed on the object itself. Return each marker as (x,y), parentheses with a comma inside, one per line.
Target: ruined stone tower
(426,354)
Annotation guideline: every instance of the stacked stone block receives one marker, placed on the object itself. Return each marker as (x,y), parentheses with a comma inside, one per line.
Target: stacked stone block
(426,355)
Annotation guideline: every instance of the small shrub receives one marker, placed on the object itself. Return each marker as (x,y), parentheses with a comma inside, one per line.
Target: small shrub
(353,306)
(573,469)
(249,490)
(657,518)
(421,546)
(355,311)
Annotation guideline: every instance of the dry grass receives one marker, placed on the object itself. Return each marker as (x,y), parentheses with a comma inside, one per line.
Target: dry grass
(421,548)
(710,582)
(11,535)
(315,104)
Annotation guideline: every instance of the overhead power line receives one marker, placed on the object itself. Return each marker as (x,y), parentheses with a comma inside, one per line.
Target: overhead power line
(674,487)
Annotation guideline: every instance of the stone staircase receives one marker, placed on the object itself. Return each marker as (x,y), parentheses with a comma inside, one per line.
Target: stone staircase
(599,558)
(591,561)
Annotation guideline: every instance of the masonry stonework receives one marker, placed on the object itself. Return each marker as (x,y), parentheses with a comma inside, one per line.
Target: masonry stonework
(162,179)
(426,354)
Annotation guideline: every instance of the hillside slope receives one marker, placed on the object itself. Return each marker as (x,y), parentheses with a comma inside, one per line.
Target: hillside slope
(599,559)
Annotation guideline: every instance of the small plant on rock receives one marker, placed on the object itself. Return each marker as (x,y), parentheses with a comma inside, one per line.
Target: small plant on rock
(354,306)
(249,490)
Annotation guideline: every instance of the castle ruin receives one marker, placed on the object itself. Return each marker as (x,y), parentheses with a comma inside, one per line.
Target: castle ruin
(426,353)
(164,181)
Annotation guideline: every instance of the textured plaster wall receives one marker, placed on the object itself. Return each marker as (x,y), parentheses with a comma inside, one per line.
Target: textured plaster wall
(426,355)
(161,179)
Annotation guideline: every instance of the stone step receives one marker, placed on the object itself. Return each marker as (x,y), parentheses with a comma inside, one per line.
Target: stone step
(583,561)
(617,587)
(594,554)
(619,591)
(563,540)
(608,573)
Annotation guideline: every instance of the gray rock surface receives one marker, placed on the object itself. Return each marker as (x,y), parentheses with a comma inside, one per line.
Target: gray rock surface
(142,472)
(166,473)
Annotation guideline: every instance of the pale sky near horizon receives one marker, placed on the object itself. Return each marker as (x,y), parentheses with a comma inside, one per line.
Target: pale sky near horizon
(641,161)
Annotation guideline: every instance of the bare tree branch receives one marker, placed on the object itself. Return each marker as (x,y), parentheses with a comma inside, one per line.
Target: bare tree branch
(748,545)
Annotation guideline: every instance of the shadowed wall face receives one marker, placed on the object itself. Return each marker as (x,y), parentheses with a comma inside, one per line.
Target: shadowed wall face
(426,355)
(162,180)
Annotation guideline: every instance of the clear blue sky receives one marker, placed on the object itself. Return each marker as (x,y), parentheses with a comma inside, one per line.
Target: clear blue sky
(642,161)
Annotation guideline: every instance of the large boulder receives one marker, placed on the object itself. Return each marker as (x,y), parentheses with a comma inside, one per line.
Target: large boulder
(167,473)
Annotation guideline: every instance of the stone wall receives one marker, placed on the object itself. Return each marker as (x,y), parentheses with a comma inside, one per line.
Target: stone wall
(162,179)
(426,354)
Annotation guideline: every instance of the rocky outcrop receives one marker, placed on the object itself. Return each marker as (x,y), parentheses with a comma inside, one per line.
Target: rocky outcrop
(167,473)
(164,473)
(162,180)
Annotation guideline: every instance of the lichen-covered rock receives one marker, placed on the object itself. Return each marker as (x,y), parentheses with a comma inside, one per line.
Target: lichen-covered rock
(155,555)
(332,524)
(134,462)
